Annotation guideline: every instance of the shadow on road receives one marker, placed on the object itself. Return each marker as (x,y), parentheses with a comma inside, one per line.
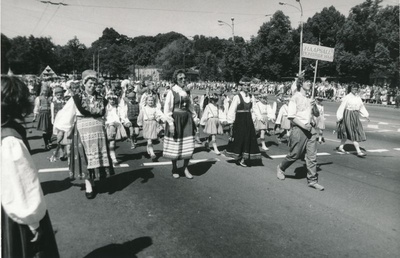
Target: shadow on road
(198,169)
(126,250)
(118,182)
(55,186)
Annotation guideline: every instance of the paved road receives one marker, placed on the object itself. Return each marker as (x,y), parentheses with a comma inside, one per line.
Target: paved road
(231,211)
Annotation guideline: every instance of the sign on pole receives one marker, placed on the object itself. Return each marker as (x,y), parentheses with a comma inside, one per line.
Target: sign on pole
(318,52)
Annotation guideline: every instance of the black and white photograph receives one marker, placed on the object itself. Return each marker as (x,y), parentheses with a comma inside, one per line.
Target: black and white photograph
(200,128)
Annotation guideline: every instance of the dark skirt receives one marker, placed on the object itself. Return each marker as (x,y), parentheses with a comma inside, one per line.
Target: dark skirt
(244,142)
(180,144)
(44,122)
(15,239)
(351,127)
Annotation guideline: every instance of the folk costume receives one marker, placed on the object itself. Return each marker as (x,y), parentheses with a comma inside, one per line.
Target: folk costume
(244,140)
(180,144)
(23,207)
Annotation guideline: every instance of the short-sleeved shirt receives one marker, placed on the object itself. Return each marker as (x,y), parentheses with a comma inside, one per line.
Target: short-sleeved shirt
(300,107)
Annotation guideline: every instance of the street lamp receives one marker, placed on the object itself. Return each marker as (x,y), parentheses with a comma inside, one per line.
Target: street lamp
(98,60)
(301,30)
(221,23)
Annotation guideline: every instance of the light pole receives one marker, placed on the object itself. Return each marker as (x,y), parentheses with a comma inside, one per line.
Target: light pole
(301,30)
(98,60)
(221,23)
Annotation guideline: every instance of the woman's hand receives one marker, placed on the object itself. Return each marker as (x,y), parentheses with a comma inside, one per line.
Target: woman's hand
(37,234)
(172,128)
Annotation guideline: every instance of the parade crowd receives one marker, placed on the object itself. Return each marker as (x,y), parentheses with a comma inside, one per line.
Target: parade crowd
(81,121)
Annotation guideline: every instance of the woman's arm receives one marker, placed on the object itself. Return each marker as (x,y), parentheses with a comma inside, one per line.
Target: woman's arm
(22,196)
(232,109)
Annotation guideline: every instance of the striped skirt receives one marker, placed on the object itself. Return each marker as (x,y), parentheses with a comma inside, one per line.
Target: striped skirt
(351,127)
(90,144)
(150,129)
(180,144)
(259,125)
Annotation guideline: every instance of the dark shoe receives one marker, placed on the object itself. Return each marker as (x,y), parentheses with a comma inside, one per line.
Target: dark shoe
(90,195)
(361,154)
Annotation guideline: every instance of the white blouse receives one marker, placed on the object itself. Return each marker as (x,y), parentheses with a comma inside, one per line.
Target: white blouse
(112,115)
(351,102)
(169,103)
(235,103)
(211,111)
(151,114)
(21,194)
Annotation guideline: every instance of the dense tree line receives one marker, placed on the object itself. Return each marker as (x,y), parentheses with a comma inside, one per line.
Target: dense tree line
(366,45)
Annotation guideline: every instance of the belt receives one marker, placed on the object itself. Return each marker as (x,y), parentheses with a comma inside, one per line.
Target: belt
(242,111)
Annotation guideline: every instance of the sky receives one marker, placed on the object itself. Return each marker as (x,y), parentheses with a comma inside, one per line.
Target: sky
(86,19)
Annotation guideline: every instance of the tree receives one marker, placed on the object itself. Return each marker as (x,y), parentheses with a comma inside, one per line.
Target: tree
(357,41)
(273,50)
(5,47)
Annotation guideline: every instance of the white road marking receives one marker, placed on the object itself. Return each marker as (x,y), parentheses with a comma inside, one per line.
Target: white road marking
(373,126)
(283,156)
(378,150)
(193,161)
(398,130)
(52,170)
(323,154)
(396,149)
(331,140)
(378,131)
(277,156)
(383,123)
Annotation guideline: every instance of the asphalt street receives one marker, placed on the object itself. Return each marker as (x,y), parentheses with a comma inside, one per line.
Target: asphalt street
(232,211)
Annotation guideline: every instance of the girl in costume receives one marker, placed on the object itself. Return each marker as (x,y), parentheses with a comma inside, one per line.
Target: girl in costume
(213,119)
(149,117)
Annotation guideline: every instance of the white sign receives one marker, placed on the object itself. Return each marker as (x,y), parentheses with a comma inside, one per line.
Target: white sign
(318,52)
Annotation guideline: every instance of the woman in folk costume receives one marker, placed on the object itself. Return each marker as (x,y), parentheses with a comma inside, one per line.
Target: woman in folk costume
(89,141)
(213,119)
(348,120)
(56,105)
(26,229)
(243,145)
(179,135)
(264,117)
(42,113)
(114,127)
(149,117)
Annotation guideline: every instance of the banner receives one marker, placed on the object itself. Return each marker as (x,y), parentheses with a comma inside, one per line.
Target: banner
(318,52)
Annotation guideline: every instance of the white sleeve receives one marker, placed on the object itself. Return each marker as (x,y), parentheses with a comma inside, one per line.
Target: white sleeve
(65,118)
(36,106)
(363,110)
(232,109)
(204,117)
(22,196)
(169,104)
(340,111)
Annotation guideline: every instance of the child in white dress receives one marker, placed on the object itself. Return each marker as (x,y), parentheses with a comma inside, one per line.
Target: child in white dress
(263,117)
(149,117)
(114,127)
(213,119)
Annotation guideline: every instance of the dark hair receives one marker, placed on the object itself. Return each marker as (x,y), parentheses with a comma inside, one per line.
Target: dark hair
(15,102)
(174,76)
(351,86)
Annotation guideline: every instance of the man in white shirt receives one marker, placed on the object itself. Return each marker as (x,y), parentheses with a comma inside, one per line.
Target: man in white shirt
(303,136)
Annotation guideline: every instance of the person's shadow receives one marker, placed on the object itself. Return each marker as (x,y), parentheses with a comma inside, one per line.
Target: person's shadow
(119,182)
(55,186)
(126,250)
